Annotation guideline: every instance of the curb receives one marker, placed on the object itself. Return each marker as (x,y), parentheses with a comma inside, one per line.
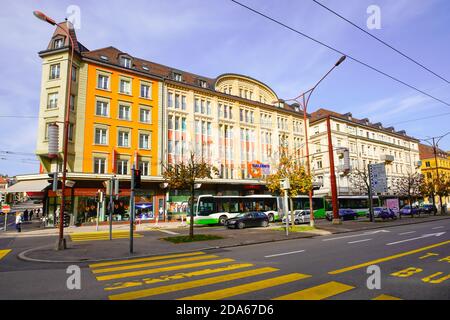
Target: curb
(22,255)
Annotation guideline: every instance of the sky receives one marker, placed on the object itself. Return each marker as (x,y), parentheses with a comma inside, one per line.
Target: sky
(212,37)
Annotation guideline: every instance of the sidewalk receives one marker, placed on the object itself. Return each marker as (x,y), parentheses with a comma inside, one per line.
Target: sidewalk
(151,243)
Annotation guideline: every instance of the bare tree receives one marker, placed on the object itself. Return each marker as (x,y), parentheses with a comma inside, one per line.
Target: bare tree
(359,181)
(184,176)
(408,186)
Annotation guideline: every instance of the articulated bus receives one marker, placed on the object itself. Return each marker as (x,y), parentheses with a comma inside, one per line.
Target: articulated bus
(211,209)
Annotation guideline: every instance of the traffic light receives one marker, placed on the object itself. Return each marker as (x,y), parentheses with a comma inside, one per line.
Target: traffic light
(53,180)
(137,179)
(99,196)
(2,198)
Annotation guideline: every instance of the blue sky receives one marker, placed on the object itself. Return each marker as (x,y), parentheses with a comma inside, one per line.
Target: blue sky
(211,37)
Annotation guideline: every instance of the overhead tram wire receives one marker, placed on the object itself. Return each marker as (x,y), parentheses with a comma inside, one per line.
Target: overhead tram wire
(382,41)
(341,52)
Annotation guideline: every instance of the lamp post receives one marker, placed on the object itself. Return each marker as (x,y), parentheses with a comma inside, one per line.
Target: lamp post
(305,96)
(61,241)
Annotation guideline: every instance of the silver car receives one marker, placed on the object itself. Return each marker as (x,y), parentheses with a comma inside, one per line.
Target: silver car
(300,216)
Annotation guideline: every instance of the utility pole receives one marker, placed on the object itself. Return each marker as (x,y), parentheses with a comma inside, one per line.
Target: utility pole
(437,173)
(370,193)
(132,208)
(286,185)
(334,200)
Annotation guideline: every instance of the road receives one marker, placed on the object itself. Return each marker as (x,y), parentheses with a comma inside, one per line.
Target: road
(413,261)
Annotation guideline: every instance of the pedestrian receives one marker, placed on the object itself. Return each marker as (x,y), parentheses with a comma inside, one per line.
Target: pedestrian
(31,214)
(19,222)
(25,215)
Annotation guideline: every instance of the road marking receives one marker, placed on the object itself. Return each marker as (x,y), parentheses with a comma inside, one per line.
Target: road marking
(113,263)
(406,273)
(429,254)
(164,269)
(319,292)
(356,235)
(440,227)
(168,232)
(421,237)
(400,255)
(153,264)
(101,235)
(246,288)
(434,275)
(386,297)
(189,285)
(177,276)
(282,254)
(359,241)
(409,232)
(3,253)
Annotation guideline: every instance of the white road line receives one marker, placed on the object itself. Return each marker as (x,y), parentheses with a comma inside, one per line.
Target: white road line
(357,235)
(438,227)
(359,241)
(421,237)
(282,254)
(169,232)
(409,232)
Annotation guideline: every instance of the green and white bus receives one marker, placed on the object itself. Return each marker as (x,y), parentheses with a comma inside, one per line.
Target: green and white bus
(217,209)
(358,203)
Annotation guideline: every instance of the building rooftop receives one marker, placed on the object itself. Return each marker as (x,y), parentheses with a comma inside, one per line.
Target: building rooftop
(427,152)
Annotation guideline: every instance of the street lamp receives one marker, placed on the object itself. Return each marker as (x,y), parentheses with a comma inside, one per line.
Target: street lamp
(303,103)
(61,241)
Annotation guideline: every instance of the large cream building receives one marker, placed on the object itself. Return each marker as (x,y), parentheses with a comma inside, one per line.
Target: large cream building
(367,143)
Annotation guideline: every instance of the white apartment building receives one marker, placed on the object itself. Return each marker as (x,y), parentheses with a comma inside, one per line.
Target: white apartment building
(367,142)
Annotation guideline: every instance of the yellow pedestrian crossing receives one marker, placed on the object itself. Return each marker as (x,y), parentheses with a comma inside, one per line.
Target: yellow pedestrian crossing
(149,277)
(101,235)
(145,293)
(247,288)
(319,292)
(4,252)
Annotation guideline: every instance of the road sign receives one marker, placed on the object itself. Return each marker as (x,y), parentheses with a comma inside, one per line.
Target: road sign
(378,180)
(6,208)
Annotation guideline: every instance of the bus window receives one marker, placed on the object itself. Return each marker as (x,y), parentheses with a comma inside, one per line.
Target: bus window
(270,204)
(206,206)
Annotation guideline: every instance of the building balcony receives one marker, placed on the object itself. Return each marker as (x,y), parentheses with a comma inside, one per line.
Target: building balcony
(387,158)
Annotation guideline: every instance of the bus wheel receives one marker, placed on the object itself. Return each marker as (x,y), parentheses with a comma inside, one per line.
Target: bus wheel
(222,220)
(241,225)
(271,218)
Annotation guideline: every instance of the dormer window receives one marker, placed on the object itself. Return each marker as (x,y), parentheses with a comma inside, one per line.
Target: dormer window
(145,68)
(58,43)
(177,76)
(125,62)
(105,58)
(202,83)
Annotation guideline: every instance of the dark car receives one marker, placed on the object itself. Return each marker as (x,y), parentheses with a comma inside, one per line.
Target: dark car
(383,213)
(408,210)
(248,219)
(429,208)
(344,214)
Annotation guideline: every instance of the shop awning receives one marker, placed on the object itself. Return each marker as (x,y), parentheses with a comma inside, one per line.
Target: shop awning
(28,186)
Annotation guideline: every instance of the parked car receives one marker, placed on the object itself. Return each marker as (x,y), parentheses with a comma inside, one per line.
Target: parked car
(429,208)
(383,213)
(344,214)
(409,210)
(248,219)
(300,216)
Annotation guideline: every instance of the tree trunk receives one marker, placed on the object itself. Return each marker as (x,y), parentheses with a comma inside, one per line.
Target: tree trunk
(434,202)
(191,226)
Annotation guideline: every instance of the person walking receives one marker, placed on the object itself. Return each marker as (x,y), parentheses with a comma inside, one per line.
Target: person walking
(19,222)
(25,215)
(31,214)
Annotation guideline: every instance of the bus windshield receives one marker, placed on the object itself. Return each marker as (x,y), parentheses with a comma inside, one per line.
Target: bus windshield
(206,206)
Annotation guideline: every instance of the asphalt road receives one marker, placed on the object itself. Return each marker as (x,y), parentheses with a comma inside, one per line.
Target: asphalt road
(413,261)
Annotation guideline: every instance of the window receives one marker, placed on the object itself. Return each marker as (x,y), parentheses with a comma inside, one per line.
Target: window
(70,133)
(100,136)
(170,100)
(124,112)
(319,164)
(103,82)
(123,140)
(202,83)
(316,131)
(427,164)
(177,76)
(177,101)
(183,102)
(58,43)
(74,73)
(72,103)
(122,167)
(145,91)
(144,168)
(101,109)
(144,141)
(125,62)
(55,71)
(338,129)
(99,165)
(125,86)
(52,100)
(144,115)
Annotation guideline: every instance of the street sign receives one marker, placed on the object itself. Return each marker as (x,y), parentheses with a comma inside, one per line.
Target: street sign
(6,208)
(378,180)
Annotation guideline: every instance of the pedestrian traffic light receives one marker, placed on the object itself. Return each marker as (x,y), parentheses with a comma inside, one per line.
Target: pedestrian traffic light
(2,198)
(53,180)
(137,179)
